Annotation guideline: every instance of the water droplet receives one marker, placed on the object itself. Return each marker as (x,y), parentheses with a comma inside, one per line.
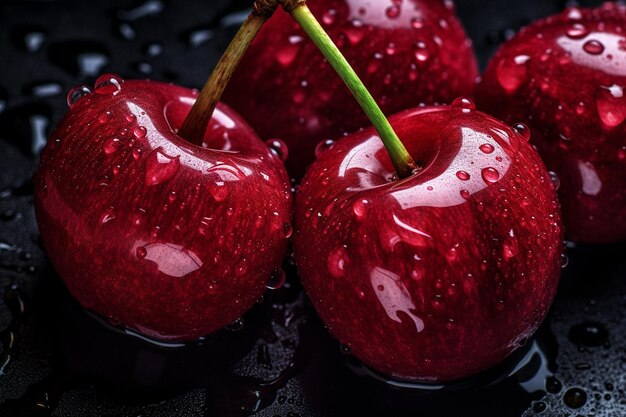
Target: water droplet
(420,52)
(323,146)
(111,145)
(104,117)
(593,47)
(108,84)
(539,407)
(140,132)
(360,208)
(555,179)
(235,326)
(276,280)
(589,334)
(523,130)
(345,349)
(510,247)
(279,148)
(337,262)
(490,175)
(417,23)
(287,54)
(553,385)
(462,175)
(611,106)
(329,17)
(564,260)
(287,230)
(511,73)
(218,190)
(486,148)
(464,103)
(465,194)
(141,252)
(391,48)
(575,397)
(160,167)
(393,11)
(76,93)
(354,35)
(577,31)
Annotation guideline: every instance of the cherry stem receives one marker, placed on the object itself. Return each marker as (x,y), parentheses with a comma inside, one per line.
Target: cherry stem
(402,161)
(199,116)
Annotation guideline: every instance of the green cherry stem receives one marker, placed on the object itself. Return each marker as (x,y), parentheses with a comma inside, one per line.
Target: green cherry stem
(197,120)
(402,161)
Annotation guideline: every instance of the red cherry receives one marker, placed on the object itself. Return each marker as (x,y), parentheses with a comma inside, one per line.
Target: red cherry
(439,275)
(170,239)
(406,53)
(565,76)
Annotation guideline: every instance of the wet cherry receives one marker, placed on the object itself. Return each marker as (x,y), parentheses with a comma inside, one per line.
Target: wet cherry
(406,53)
(439,275)
(565,77)
(150,231)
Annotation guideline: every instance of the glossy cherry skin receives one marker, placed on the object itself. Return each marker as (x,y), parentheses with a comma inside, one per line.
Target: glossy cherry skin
(565,76)
(406,53)
(440,275)
(158,235)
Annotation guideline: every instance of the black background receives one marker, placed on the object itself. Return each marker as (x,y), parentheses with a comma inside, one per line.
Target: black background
(56,359)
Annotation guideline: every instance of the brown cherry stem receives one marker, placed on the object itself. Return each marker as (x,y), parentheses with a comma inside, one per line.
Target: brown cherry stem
(197,120)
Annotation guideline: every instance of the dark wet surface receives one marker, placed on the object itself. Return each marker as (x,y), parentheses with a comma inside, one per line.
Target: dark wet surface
(58,360)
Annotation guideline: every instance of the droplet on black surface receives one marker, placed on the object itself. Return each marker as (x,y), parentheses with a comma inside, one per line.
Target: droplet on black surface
(235,326)
(539,407)
(126,31)
(553,385)
(28,38)
(197,37)
(147,8)
(153,49)
(588,334)
(43,89)
(575,397)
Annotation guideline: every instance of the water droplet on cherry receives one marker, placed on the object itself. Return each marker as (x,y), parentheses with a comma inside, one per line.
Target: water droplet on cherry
(490,175)
(160,167)
(577,31)
(108,84)
(323,146)
(511,73)
(140,132)
(76,93)
(141,252)
(611,106)
(360,208)
(555,179)
(337,262)
(462,175)
(593,47)
(111,145)
(523,130)
(279,148)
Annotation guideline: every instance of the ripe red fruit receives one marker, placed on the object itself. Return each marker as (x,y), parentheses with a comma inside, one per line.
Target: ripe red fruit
(565,76)
(406,53)
(440,275)
(158,235)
